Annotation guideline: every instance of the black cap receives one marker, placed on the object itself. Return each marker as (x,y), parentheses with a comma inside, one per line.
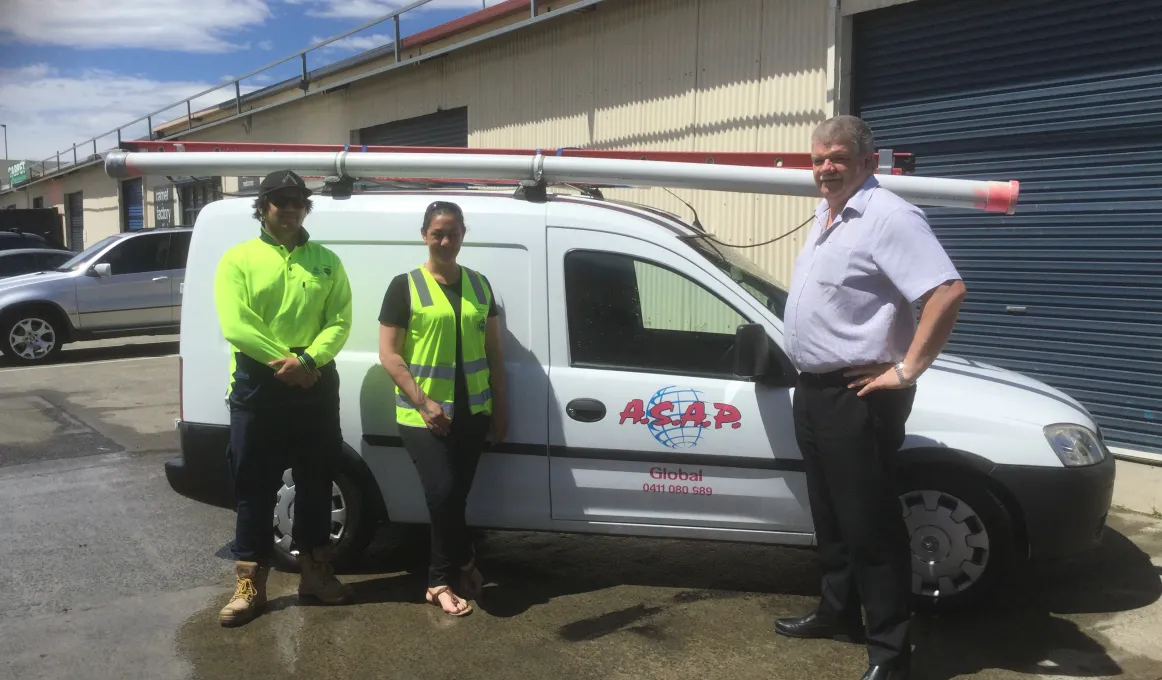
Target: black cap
(282,179)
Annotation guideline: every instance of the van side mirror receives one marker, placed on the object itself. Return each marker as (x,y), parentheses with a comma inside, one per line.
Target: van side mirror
(102,270)
(752,351)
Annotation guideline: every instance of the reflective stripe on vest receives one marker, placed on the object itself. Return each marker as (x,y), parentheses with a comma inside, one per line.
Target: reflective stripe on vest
(430,345)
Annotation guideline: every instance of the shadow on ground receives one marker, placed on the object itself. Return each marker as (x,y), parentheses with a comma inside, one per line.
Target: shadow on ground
(1021,629)
(85,353)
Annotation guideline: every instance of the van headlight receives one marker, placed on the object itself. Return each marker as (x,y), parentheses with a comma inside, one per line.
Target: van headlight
(1075,445)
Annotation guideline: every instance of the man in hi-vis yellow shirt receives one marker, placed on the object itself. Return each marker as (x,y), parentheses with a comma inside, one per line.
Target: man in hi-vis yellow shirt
(284,304)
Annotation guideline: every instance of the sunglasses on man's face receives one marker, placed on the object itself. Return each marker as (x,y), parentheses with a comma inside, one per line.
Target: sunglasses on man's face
(283,200)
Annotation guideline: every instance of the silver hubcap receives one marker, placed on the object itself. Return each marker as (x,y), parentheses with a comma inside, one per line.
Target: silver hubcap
(950,547)
(284,513)
(32,338)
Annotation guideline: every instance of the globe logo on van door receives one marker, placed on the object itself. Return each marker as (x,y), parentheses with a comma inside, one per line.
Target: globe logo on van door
(676,435)
(677,417)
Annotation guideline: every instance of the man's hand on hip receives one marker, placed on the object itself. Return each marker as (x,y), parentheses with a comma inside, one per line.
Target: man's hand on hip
(875,377)
(292,372)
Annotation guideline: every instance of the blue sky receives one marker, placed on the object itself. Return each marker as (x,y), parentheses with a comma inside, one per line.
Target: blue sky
(71,69)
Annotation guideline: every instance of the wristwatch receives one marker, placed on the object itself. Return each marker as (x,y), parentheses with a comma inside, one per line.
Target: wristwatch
(900,374)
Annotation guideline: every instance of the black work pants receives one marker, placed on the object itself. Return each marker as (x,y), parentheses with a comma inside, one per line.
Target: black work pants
(264,442)
(848,444)
(447,466)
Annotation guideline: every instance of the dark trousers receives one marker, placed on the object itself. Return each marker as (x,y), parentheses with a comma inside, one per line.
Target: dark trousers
(447,466)
(263,444)
(847,444)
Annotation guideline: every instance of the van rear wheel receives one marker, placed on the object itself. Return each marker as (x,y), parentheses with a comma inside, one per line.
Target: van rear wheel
(353,522)
(960,534)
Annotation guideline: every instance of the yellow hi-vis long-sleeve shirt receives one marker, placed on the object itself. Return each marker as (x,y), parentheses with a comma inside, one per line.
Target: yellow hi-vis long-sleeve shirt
(273,303)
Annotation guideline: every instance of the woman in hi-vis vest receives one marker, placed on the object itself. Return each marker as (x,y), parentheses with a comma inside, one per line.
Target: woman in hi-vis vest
(439,339)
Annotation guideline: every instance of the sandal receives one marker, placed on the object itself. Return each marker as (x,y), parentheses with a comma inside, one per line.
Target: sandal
(433,597)
(471,581)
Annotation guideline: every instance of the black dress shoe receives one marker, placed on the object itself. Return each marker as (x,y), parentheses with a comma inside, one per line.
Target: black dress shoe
(815,625)
(885,673)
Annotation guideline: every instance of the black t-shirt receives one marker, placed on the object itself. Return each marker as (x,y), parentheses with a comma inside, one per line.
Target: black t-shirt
(397,311)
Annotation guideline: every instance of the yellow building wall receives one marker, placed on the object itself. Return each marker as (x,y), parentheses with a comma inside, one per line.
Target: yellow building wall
(101,196)
(705,75)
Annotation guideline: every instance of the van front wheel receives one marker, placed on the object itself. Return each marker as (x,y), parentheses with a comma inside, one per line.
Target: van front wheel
(960,535)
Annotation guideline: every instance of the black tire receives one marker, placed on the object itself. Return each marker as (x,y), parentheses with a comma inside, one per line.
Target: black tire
(959,495)
(359,495)
(40,318)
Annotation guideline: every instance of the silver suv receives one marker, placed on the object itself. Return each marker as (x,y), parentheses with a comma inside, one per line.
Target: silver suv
(127,284)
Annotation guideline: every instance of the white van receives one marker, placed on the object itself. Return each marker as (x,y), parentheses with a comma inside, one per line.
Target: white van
(649,396)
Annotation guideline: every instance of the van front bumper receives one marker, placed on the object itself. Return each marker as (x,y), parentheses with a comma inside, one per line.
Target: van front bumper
(203,471)
(1064,509)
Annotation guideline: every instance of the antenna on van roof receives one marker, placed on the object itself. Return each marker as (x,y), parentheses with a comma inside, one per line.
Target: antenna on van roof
(678,170)
(696,224)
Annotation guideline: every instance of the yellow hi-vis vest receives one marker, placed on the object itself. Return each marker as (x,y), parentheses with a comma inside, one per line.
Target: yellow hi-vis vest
(430,345)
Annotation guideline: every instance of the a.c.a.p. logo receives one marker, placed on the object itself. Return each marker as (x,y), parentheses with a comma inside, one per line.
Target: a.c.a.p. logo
(677,417)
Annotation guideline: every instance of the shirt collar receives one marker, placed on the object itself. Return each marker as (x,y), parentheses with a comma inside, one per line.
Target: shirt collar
(304,236)
(858,201)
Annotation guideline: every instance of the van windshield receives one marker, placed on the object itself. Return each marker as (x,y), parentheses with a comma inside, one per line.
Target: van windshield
(80,259)
(743,271)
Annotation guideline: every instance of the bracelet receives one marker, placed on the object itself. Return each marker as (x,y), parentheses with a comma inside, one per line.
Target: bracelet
(900,374)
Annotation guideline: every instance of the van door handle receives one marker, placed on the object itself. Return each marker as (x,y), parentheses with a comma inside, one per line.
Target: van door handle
(161,278)
(585,410)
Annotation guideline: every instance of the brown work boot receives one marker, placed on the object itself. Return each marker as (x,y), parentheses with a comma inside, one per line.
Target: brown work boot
(317,577)
(249,594)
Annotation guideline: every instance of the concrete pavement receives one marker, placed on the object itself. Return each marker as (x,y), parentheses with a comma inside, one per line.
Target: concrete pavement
(109,574)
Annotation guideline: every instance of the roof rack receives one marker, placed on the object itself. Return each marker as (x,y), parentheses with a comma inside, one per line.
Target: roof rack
(760,173)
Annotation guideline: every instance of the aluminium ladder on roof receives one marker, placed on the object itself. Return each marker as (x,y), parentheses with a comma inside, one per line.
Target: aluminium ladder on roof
(761,173)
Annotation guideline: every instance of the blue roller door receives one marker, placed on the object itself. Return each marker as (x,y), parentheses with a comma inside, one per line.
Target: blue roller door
(133,198)
(1066,97)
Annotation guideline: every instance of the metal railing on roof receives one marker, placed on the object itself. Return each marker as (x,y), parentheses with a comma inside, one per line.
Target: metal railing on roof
(304,83)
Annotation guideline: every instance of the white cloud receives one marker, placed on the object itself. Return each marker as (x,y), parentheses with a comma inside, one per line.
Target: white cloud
(174,25)
(356,43)
(265,45)
(48,111)
(372,9)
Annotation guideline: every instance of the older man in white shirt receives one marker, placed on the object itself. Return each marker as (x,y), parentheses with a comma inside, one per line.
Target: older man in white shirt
(850,329)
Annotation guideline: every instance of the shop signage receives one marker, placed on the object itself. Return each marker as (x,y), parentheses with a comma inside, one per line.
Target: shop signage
(163,206)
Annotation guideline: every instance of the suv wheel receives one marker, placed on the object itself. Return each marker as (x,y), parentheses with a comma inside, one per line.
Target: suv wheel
(30,336)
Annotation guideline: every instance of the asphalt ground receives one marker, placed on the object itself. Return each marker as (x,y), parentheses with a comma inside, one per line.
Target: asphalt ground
(107,573)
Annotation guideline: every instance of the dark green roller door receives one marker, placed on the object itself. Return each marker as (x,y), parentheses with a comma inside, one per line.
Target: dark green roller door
(1065,96)
(443,128)
(75,214)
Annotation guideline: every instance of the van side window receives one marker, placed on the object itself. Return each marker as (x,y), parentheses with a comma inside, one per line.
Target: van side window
(630,314)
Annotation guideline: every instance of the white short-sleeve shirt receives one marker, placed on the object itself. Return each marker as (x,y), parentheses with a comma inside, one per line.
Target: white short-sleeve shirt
(855,284)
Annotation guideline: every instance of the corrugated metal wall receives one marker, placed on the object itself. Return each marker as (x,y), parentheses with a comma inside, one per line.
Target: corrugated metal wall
(723,75)
(1065,96)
